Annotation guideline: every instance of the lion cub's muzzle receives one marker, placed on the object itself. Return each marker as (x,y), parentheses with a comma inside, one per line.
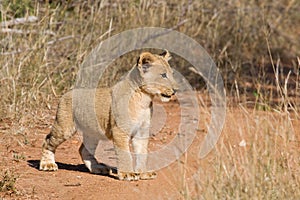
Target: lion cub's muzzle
(167,94)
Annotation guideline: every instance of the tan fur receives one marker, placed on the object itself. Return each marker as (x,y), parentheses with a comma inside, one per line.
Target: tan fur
(123,115)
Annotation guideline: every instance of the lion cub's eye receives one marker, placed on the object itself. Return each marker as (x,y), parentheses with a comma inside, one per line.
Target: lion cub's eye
(164,75)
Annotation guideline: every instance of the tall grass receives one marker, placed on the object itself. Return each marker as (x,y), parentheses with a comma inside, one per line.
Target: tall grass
(39,60)
(264,166)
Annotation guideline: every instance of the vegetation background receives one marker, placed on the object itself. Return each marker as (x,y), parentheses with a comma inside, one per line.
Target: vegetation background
(255,44)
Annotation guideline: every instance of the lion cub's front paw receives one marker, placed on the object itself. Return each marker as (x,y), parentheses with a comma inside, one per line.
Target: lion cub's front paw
(48,166)
(128,176)
(147,175)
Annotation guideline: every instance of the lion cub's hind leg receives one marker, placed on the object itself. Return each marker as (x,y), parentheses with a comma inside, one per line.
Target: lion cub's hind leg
(47,162)
(58,135)
(62,130)
(90,162)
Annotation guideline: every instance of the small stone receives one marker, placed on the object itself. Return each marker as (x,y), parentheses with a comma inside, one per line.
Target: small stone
(242,143)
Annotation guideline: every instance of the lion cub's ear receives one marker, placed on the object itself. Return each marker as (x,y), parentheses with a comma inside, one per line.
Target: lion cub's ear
(144,61)
(167,56)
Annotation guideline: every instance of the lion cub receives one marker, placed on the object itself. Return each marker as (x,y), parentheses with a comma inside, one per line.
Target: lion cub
(123,115)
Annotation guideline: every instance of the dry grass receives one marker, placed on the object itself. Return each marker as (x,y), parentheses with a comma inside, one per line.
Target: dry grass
(7,182)
(254,159)
(254,43)
(39,60)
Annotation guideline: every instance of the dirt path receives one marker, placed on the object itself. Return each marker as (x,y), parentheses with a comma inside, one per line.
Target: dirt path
(73,181)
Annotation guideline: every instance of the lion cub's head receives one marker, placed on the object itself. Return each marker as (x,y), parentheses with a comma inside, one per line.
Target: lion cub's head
(157,75)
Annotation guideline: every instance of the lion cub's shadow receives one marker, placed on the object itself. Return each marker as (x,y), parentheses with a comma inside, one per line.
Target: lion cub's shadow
(74,167)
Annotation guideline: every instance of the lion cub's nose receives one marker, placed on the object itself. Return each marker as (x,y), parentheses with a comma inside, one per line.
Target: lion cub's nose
(174,91)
